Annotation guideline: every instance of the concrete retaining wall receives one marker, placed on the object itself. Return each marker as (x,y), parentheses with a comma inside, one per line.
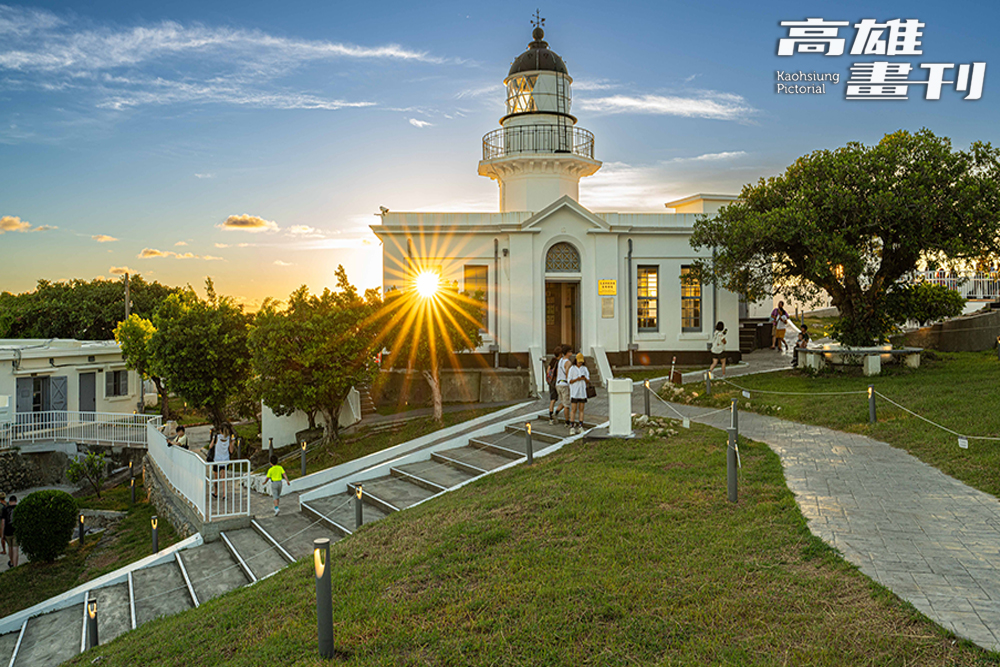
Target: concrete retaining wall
(478,385)
(972,333)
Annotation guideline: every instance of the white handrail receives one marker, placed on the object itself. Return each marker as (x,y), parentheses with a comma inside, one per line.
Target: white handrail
(972,285)
(95,428)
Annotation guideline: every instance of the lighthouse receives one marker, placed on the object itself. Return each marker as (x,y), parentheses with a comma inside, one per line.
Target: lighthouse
(539,154)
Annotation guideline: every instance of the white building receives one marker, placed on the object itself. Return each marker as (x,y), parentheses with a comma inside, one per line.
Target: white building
(58,374)
(553,272)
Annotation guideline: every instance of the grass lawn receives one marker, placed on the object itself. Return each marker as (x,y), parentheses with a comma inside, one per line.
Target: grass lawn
(116,547)
(365,441)
(958,390)
(608,553)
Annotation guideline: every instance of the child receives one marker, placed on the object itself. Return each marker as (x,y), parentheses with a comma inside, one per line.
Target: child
(579,377)
(275,473)
(801,343)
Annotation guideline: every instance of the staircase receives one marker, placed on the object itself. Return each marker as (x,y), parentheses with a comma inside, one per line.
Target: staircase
(367,404)
(193,577)
(241,557)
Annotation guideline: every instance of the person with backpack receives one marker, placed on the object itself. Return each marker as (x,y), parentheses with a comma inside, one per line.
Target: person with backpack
(7,528)
(550,379)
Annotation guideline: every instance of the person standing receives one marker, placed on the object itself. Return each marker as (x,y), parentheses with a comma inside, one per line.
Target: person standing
(275,473)
(775,315)
(780,328)
(8,531)
(579,378)
(224,446)
(562,383)
(551,374)
(718,348)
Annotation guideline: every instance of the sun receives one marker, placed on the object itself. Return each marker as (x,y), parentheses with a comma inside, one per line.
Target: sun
(428,283)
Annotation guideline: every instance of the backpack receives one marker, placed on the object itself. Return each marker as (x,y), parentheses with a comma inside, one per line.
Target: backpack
(550,375)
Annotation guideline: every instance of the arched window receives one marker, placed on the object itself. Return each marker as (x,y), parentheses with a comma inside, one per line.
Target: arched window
(562,258)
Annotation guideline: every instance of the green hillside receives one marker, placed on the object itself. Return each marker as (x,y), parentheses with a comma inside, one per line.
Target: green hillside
(609,553)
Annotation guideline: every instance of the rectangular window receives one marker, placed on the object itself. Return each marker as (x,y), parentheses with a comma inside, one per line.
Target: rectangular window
(477,282)
(648,293)
(690,301)
(116,383)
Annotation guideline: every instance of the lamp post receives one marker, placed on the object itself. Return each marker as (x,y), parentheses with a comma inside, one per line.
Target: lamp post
(156,536)
(303,458)
(92,623)
(324,597)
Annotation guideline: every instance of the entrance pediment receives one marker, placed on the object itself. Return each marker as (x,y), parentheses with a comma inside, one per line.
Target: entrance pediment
(558,209)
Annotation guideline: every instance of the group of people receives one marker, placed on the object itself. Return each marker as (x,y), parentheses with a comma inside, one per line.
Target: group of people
(8,541)
(568,379)
(779,322)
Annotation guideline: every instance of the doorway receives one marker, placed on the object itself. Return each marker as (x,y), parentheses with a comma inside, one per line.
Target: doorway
(88,392)
(562,316)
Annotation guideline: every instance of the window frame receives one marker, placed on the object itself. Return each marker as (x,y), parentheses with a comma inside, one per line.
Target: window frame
(687,298)
(646,299)
(115,385)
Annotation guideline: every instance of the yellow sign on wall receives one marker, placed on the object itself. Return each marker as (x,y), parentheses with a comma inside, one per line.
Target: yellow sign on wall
(607,287)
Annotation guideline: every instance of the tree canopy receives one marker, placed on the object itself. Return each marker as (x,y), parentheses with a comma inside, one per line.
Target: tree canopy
(133,336)
(81,309)
(422,332)
(309,354)
(855,222)
(200,347)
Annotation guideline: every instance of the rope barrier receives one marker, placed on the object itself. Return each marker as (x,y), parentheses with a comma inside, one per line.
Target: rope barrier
(933,423)
(794,393)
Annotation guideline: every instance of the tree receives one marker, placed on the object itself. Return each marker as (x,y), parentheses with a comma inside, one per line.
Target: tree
(200,347)
(924,302)
(92,468)
(77,308)
(855,222)
(426,331)
(133,336)
(44,522)
(309,355)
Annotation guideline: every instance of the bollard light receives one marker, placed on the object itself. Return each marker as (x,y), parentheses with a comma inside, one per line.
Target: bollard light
(92,623)
(324,597)
(131,484)
(156,536)
(81,530)
(708,383)
(735,421)
(359,518)
(529,449)
(303,458)
(646,397)
(872,418)
(130,472)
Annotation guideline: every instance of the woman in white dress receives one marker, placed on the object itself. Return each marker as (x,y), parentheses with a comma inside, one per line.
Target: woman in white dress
(224,447)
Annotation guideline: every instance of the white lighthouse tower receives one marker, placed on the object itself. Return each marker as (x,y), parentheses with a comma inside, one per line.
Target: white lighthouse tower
(539,154)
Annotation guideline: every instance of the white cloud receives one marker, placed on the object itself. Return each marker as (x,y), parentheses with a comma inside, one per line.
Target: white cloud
(221,245)
(180,243)
(9,223)
(204,175)
(44,228)
(121,271)
(594,84)
(278,262)
(710,157)
(103,238)
(151,253)
(706,104)
(248,223)
(304,231)
(419,123)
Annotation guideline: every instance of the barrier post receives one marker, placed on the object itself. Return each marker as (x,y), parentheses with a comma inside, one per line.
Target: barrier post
(871,404)
(731,465)
(735,409)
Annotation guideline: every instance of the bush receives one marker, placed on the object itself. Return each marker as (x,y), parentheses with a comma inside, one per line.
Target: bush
(44,522)
(92,469)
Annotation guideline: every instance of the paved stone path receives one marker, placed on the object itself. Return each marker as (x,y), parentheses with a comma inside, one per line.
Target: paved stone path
(926,536)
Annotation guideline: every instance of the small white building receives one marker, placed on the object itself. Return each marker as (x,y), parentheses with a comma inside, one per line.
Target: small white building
(553,272)
(39,375)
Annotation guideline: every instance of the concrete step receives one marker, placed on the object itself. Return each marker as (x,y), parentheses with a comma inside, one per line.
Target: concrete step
(335,509)
(114,613)
(7,644)
(296,532)
(159,591)
(441,475)
(212,570)
(471,459)
(259,554)
(392,493)
(51,639)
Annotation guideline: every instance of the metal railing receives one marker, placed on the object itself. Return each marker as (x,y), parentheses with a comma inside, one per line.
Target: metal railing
(215,490)
(521,139)
(979,285)
(86,428)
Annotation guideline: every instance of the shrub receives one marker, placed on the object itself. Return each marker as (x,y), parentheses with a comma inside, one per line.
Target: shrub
(44,522)
(92,469)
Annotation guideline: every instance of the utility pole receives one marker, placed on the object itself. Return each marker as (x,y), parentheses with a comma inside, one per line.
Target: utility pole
(128,299)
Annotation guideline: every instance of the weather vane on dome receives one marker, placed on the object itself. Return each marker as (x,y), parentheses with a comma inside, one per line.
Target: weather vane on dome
(538,21)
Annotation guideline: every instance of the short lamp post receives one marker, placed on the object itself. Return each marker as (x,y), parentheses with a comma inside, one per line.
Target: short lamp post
(131,473)
(131,485)
(324,597)
(156,536)
(529,449)
(303,458)
(359,518)
(645,394)
(81,530)
(92,623)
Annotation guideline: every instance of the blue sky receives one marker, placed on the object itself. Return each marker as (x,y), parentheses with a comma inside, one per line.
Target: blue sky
(131,131)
